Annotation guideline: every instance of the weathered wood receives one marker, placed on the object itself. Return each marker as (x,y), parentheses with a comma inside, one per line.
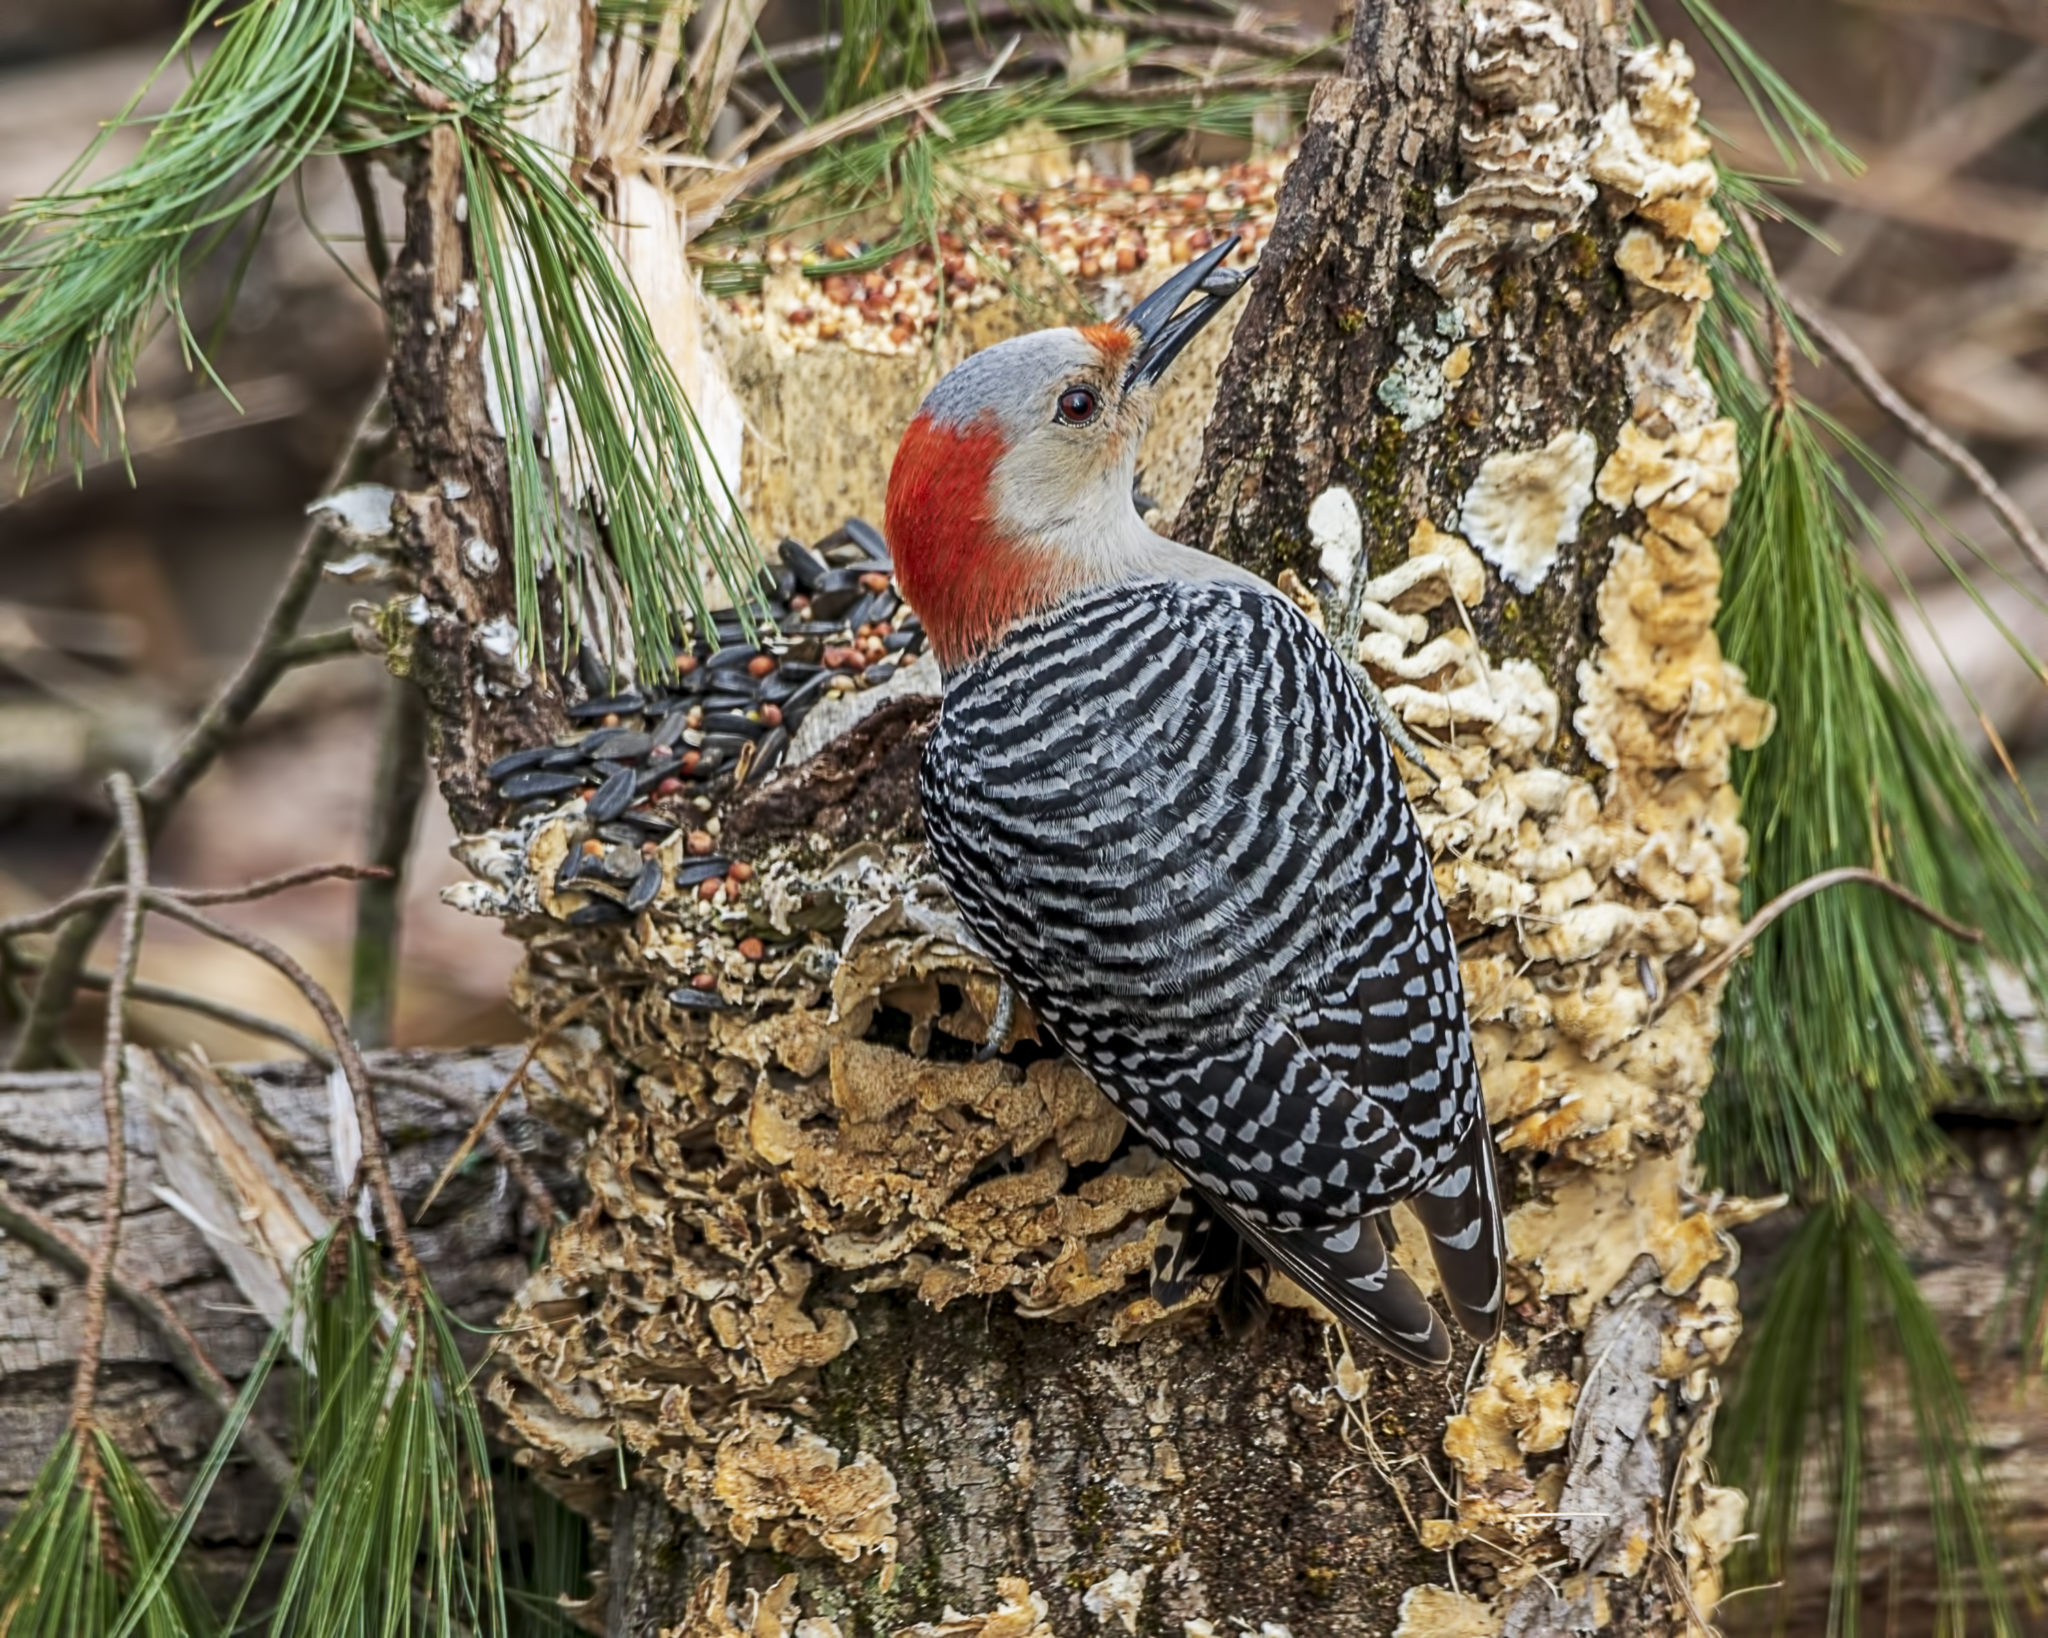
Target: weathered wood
(476,1243)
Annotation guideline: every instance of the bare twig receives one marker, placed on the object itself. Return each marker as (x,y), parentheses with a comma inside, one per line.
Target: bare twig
(99,898)
(500,1146)
(1774,293)
(222,1012)
(568,1015)
(347,1057)
(1719,963)
(807,53)
(1856,364)
(401,785)
(50,1239)
(315,646)
(356,164)
(1170,90)
(219,723)
(135,858)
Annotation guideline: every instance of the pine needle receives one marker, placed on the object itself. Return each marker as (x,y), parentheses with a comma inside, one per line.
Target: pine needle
(67,1557)
(1843,1315)
(89,270)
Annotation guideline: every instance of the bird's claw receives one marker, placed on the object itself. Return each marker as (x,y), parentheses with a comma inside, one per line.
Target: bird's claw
(999,1029)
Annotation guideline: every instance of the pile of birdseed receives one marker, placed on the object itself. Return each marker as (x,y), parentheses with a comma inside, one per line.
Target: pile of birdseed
(651,761)
(1097,230)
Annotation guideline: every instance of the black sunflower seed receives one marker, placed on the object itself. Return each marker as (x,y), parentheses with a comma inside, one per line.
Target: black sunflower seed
(692,871)
(535,782)
(730,656)
(802,562)
(591,710)
(806,696)
(730,722)
(597,913)
(619,833)
(836,595)
(593,672)
(654,773)
(602,768)
(516,762)
(563,756)
(697,1000)
(628,747)
(868,538)
(572,867)
(669,731)
(725,745)
(873,609)
(878,673)
(613,797)
(785,589)
(645,886)
(773,744)
(897,641)
(729,700)
(648,823)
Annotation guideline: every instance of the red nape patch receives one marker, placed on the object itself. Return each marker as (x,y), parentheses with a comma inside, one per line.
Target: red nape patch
(967,580)
(1111,340)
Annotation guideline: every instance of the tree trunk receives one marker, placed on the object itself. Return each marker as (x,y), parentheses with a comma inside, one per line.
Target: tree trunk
(866,1319)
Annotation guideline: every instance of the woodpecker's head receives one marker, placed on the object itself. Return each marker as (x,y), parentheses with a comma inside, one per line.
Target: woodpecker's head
(1012,487)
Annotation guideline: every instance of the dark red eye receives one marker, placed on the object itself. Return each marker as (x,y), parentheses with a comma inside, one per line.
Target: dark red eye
(1077,406)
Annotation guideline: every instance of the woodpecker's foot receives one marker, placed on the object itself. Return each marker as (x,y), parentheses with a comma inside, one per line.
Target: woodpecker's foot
(1390,724)
(1005,1020)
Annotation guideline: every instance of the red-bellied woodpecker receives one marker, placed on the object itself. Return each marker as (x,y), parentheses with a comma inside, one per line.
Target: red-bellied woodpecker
(1157,794)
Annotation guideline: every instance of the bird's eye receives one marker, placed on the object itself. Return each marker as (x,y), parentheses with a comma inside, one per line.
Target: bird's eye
(1077,406)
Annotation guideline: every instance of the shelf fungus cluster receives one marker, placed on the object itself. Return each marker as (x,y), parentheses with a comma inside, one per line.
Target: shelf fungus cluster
(786,1113)
(1580,898)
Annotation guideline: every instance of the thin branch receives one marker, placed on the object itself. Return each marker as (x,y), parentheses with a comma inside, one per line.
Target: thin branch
(135,860)
(568,1015)
(1856,364)
(1171,90)
(349,1059)
(315,646)
(40,1234)
(203,743)
(820,48)
(494,1139)
(221,1012)
(1774,293)
(1753,928)
(401,786)
(100,898)
(356,164)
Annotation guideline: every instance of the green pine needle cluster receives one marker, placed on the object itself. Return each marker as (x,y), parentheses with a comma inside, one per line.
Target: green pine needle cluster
(69,1558)
(392,1533)
(90,270)
(1852,1019)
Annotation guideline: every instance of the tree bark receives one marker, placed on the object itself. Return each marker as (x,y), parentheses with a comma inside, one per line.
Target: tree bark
(52,1144)
(863,1317)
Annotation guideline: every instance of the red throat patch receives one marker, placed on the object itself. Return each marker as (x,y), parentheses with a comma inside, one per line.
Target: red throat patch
(966,579)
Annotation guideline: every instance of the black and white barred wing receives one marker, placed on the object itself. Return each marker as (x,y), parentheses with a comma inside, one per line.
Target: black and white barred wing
(1164,812)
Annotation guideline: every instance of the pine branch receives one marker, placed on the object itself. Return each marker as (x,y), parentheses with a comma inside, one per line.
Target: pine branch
(135,861)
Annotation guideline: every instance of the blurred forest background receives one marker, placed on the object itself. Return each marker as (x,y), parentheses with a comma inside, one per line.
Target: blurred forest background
(124,596)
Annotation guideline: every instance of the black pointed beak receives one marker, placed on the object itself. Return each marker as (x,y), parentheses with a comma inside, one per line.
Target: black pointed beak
(1164,326)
